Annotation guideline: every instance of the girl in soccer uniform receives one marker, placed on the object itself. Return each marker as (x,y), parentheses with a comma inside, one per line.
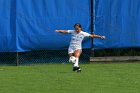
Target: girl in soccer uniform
(75,47)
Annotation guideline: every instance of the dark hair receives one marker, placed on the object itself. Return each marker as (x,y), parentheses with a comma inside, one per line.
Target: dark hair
(77,24)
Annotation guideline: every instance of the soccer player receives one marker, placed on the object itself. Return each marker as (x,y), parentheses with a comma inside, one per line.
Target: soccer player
(75,48)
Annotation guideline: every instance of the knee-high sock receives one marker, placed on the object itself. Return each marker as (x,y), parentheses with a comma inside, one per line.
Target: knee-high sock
(76,62)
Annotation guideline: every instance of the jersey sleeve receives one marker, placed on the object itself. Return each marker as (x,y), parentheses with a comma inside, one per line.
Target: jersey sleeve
(70,31)
(86,34)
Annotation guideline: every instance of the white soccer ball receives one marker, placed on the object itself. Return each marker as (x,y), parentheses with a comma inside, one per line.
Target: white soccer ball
(72,60)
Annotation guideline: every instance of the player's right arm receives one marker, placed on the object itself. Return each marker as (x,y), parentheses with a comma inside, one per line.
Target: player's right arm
(62,31)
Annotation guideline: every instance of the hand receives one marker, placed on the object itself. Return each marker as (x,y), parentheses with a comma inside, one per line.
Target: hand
(103,37)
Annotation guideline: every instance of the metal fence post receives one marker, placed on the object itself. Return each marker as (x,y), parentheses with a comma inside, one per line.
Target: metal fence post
(17,58)
(92,26)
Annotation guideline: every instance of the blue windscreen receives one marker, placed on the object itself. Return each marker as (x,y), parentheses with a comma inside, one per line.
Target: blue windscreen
(27,25)
(119,21)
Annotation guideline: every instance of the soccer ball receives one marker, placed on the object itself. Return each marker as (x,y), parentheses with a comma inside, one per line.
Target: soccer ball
(72,60)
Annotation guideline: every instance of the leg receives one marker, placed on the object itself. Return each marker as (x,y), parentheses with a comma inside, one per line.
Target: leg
(70,52)
(77,54)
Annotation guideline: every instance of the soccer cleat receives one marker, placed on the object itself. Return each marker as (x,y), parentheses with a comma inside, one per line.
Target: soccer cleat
(77,69)
(74,68)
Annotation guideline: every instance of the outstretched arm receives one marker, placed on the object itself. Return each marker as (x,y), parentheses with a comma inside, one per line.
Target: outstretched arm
(62,31)
(97,36)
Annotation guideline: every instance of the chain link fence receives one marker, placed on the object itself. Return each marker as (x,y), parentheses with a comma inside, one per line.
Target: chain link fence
(60,56)
(7,58)
(117,52)
(41,57)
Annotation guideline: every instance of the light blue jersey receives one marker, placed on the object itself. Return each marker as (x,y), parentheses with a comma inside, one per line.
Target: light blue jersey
(77,38)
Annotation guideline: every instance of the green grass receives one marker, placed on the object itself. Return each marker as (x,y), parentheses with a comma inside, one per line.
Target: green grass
(58,78)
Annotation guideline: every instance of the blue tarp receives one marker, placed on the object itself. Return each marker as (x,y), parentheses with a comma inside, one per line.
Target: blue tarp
(119,21)
(29,24)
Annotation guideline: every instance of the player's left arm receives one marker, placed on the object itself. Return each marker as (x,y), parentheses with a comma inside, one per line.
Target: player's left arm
(97,36)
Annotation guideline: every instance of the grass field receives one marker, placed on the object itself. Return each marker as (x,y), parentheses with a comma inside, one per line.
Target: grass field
(59,78)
